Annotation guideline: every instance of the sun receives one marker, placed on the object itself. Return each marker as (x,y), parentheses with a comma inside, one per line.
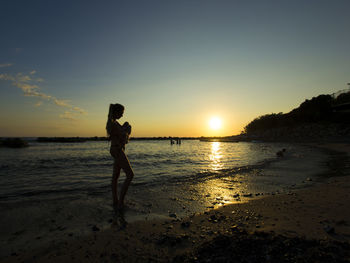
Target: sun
(215,123)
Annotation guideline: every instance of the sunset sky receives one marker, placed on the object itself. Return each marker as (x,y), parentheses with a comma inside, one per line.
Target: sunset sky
(173,64)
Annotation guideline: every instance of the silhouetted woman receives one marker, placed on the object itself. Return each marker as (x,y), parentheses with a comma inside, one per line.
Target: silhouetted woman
(119,136)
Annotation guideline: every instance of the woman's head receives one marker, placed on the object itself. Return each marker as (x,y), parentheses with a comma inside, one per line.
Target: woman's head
(116,111)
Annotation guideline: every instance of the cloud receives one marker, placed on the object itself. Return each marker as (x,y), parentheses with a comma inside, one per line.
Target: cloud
(81,111)
(68,116)
(6,77)
(62,103)
(23,78)
(31,89)
(38,104)
(6,65)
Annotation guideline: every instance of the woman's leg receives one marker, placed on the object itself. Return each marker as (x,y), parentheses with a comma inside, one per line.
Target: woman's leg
(125,165)
(116,174)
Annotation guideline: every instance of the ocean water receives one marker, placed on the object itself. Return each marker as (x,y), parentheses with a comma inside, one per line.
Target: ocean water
(57,190)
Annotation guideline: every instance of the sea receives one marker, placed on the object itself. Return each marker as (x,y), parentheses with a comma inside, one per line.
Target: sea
(53,191)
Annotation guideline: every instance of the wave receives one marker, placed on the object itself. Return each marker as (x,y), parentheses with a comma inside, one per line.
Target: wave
(221,173)
(96,190)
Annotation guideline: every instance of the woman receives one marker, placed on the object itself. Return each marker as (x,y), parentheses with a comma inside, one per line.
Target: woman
(119,135)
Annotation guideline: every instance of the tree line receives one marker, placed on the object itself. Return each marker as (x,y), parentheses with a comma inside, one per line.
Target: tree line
(320,109)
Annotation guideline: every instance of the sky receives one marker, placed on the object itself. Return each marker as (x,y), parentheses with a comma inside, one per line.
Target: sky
(173,64)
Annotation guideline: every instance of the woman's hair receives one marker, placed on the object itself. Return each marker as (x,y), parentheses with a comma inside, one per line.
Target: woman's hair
(113,109)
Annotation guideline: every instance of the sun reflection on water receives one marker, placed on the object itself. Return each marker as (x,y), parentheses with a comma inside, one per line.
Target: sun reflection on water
(215,156)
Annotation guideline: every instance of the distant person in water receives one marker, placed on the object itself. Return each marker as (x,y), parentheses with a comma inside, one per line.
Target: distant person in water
(119,136)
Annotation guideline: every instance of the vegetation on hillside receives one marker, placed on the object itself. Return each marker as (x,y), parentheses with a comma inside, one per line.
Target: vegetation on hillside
(319,110)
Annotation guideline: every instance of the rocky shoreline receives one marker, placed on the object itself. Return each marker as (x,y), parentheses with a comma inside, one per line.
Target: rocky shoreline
(242,247)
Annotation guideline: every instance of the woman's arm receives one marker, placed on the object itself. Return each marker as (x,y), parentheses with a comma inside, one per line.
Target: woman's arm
(120,134)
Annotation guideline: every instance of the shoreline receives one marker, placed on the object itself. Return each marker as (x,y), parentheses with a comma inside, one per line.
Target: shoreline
(318,212)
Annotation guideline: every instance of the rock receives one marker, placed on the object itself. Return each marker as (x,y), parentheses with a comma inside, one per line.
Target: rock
(173,215)
(234,228)
(171,240)
(222,217)
(213,217)
(329,229)
(95,228)
(186,224)
(61,228)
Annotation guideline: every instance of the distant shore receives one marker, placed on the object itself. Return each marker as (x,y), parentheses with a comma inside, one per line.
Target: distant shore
(312,224)
(306,133)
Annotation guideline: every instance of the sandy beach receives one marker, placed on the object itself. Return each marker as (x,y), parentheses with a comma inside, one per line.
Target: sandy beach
(306,225)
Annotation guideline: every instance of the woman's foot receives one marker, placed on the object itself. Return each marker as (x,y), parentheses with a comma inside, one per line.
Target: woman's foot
(115,203)
(121,204)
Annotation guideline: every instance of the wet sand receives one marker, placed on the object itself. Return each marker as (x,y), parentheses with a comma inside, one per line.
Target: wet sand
(319,213)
